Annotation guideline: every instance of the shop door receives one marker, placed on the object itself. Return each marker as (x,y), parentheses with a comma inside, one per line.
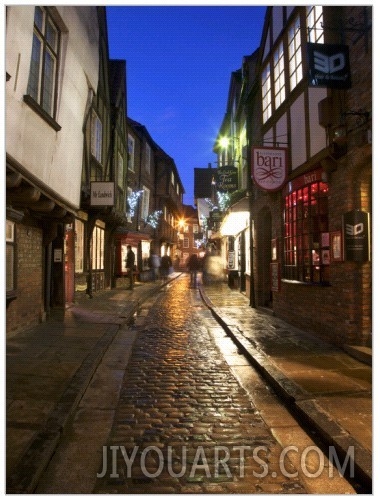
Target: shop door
(264,236)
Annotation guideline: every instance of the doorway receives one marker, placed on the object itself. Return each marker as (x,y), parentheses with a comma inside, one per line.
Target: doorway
(264,236)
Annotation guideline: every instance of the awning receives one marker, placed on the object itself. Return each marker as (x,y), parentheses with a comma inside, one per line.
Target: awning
(133,238)
(237,218)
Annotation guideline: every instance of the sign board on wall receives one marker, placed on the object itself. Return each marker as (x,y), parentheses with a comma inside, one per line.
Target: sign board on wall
(102,194)
(231,259)
(269,167)
(328,65)
(275,276)
(356,236)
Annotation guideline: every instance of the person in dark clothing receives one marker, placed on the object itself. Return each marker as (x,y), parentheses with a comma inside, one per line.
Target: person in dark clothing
(166,263)
(193,266)
(130,265)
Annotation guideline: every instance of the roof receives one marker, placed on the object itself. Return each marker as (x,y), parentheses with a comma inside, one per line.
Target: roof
(202,182)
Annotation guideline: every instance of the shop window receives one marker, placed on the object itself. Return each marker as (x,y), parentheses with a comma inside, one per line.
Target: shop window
(306,222)
(79,246)
(98,249)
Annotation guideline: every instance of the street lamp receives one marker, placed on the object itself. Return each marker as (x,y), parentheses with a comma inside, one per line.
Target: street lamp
(224,142)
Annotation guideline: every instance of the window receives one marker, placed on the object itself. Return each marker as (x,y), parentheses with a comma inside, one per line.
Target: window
(306,220)
(314,20)
(129,195)
(195,228)
(185,242)
(131,153)
(79,245)
(10,255)
(172,179)
(266,93)
(147,157)
(295,54)
(279,75)
(42,83)
(98,248)
(96,137)
(120,170)
(145,203)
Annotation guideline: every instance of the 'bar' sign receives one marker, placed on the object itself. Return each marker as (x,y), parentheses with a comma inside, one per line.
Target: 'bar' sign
(269,167)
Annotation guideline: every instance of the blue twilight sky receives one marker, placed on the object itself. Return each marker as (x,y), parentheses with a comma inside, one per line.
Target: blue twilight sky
(179,64)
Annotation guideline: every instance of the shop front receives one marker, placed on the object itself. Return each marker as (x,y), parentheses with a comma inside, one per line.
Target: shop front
(140,244)
(234,230)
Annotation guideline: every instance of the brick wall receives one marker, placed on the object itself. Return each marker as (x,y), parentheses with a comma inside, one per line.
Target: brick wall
(25,311)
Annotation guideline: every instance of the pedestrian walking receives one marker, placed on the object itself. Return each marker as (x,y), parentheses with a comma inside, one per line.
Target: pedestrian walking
(166,263)
(130,265)
(154,263)
(204,266)
(193,266)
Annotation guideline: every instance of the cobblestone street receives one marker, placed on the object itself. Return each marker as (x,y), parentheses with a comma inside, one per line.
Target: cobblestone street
(183,423)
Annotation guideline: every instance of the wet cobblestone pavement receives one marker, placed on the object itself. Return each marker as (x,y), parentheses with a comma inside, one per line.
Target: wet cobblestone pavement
(183,423)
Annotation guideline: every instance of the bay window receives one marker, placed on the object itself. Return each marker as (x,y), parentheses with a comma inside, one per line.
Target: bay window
(306,233)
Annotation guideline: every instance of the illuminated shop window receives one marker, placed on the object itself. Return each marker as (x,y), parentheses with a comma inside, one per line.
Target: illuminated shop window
(79,245)
(98,249)
(306,224)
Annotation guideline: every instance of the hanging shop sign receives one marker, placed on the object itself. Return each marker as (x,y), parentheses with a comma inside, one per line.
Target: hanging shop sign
(227,179)
(269,167)
(102,194)
(215,215)
(328,65)
(356,236)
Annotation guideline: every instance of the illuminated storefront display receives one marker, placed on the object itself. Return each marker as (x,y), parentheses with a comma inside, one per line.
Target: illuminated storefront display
(306,226)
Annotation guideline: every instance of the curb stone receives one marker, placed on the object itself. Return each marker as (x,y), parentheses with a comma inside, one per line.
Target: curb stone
(308,412)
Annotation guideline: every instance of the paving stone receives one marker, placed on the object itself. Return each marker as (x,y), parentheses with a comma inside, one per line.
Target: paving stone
(181,398)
